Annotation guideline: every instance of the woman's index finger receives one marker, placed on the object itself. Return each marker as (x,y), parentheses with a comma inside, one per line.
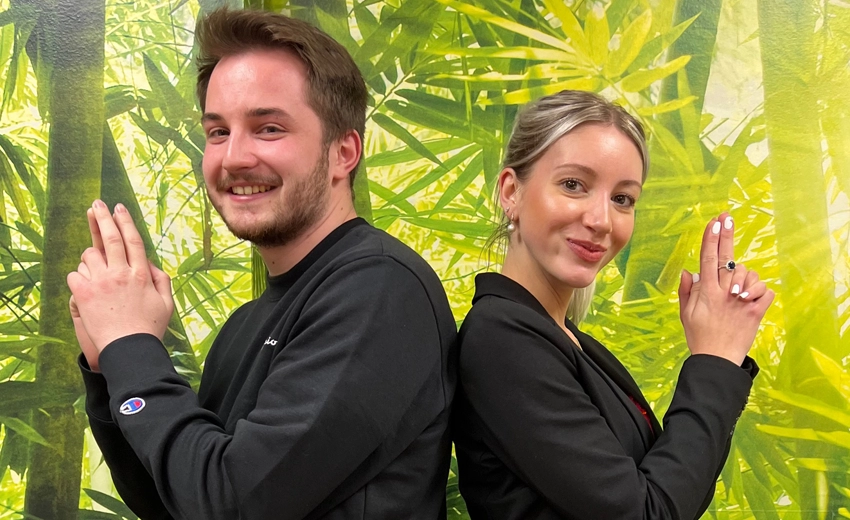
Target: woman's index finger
(708,255)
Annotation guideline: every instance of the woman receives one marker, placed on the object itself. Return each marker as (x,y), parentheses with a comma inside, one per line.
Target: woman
(548,423)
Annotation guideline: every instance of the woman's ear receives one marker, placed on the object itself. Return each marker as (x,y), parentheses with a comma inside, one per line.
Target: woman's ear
(508,190)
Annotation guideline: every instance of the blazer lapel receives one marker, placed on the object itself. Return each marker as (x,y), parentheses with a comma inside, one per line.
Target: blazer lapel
(621,380)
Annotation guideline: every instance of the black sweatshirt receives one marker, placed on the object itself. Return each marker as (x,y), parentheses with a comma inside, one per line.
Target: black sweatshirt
(546,430)
(327,397)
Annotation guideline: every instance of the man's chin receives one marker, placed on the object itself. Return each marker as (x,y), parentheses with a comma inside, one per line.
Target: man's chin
(273,235)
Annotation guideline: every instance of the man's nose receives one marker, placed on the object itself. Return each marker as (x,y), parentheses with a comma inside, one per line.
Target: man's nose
(239,154)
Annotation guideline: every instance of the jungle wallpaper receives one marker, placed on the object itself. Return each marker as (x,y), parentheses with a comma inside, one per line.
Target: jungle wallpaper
(747,104)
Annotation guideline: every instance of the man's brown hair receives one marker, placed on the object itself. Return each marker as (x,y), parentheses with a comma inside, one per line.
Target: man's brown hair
(335,88)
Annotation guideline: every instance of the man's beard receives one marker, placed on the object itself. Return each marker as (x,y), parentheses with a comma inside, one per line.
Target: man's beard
(305,201)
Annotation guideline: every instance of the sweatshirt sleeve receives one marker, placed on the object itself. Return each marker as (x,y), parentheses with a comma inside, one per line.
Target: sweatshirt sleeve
(547,430)
(365,345)
(131,480)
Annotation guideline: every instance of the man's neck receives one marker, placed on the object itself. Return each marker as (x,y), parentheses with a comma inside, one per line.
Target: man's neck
(280,259)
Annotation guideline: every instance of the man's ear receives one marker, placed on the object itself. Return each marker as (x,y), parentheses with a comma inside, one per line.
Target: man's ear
(508,190)
(344,154)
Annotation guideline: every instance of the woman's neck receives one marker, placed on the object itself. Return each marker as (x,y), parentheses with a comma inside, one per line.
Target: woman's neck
(554,297)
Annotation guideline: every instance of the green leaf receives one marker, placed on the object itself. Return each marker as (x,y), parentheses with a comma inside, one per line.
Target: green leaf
(811,404)
(668,106)
(174,107)
(21,256)
(671,145)
(389,195)
(422,181)
(406,137)
(513,53)
(569,24)
(833,372)
(337,28)
(118,99)
(758,498)
(440,121)
(598,34)
(366,21)
(469,174)
(480,229)
(405,154)
(20,342)
(510,25)
(10,183)
(197,306)
(631,43)
(19,159)
(523,96)
(803,434)
(111,503)
(659,44)
(637,81)
(28,277)
(32,235)
(24,430)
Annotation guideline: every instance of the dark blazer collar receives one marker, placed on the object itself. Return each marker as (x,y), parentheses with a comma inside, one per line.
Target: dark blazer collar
(499,285)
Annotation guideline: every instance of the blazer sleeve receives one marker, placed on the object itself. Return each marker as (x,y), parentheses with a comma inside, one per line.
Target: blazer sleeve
(363,349)
(528,394)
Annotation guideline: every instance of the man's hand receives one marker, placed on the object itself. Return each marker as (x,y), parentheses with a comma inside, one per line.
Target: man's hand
(115,290)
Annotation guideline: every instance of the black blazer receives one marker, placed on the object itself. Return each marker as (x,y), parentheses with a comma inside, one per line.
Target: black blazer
(544,430)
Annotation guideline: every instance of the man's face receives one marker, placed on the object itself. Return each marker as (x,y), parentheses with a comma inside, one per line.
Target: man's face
(265,163)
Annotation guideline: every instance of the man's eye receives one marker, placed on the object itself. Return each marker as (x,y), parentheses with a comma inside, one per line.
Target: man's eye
(217,132)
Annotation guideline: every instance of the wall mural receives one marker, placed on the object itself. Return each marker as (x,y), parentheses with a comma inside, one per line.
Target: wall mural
(746,103)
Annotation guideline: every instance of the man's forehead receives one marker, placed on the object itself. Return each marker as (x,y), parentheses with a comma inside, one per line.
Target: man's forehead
(260,82)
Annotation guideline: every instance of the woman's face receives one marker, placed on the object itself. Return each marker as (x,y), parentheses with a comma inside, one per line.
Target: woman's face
(575,211)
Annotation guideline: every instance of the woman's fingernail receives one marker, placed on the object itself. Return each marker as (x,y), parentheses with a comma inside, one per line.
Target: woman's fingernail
(98,204)
(743,295)
(696,277)
(715,228)
(119,208)
(728,223)
(736,289)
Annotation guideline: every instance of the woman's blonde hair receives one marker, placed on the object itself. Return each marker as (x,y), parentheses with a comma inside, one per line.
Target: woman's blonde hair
(538,125)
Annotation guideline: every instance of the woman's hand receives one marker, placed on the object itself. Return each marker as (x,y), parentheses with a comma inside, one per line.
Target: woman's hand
(720,309)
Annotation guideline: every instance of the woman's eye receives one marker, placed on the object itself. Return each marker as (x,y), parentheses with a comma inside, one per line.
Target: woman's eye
(624,200)
(572,185)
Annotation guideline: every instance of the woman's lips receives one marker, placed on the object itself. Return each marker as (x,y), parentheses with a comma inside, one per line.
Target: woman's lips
(587,251)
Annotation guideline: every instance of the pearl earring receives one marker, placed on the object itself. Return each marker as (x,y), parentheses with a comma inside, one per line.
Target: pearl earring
(511,226)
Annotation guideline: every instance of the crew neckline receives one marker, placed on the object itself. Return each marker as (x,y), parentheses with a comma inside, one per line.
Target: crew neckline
(278,285)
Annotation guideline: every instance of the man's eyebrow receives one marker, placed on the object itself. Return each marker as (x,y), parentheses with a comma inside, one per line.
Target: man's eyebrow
(211,116)
(260,112)
(254,112)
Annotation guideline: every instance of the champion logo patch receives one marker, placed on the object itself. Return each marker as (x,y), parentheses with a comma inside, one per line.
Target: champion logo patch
(132,406)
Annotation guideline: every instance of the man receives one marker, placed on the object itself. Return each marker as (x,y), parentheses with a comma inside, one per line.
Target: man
(327,397)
